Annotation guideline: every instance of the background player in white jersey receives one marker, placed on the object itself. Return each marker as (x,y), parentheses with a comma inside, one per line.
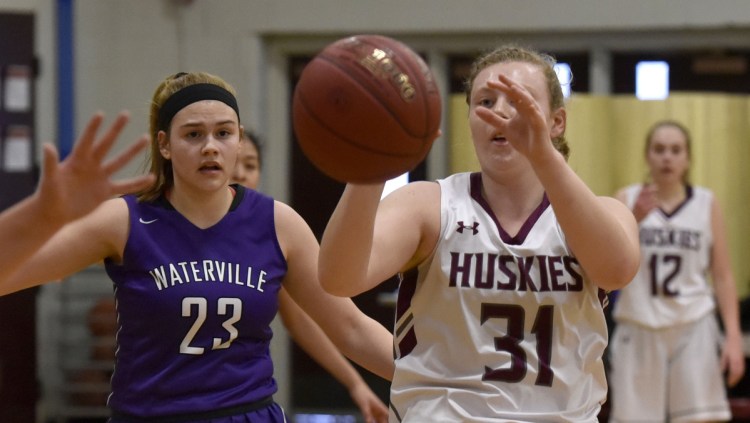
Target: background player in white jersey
(196,267)
(67,190)
(305,332)
(499,315)
(666,357)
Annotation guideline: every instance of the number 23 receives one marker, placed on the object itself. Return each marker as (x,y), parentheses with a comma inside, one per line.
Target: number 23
(201,304)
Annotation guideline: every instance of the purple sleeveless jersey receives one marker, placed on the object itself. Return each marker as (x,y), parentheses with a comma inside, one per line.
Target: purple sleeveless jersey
(194,308)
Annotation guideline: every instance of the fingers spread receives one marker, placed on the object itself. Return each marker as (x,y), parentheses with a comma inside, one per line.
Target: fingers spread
(86,140)
(128,186)
(49,165)
(119,161)
(105,143)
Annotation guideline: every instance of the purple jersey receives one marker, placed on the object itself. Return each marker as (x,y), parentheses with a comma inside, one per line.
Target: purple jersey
(194,308)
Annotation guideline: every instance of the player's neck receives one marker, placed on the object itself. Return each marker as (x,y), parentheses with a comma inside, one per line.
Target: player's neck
(201,209)
(671,195)
(512,203)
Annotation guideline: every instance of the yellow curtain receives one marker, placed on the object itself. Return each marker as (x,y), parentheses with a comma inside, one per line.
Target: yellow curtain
(606,135)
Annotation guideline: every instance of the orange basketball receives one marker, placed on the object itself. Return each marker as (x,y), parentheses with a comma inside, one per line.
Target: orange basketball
(366,109)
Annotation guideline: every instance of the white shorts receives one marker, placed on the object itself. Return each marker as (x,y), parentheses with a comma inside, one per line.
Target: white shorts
(671,374)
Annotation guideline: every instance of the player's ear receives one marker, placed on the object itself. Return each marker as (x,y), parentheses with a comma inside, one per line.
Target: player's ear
(557,126)
(163,142)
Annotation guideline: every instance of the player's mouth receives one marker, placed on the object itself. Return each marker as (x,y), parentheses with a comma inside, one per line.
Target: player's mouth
(210,167)
(499,139)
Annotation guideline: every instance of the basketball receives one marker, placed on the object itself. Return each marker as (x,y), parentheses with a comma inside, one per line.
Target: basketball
(366,109)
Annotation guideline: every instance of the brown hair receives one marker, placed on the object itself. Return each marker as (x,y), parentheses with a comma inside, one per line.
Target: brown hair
(157,164)
(545,62)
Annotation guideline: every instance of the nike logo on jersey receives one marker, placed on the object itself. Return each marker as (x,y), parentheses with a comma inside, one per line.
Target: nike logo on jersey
(146,222)
(473,228)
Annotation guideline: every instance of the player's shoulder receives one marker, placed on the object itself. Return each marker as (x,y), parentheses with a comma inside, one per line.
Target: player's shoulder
(417,193)
(699,190)
(111,211)
(287,220)
(283,211)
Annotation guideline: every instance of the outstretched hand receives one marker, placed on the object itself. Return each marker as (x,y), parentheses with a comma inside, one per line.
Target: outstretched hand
(372,408)
(525,129)
(76,186)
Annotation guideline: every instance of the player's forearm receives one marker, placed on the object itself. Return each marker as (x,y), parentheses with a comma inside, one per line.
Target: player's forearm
(726,296)
(311,338)
(347,241)
(590,222)
(24,228)
(374,352)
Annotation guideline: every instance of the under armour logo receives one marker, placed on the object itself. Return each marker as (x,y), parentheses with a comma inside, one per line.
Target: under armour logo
(473,228)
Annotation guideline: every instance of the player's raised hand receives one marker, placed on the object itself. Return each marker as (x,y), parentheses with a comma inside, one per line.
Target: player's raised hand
(525,126)
(645,202)
(74,187)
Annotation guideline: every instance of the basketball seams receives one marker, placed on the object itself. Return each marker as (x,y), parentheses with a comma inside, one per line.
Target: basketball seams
(309,111)
(326,156)
(364,83)
(380,101)
(424,89)
(355,111)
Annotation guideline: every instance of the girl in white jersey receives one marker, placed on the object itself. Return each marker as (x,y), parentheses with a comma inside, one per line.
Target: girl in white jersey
(667,363)
(499,315)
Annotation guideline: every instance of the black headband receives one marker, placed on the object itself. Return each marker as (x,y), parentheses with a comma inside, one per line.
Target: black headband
(191,94)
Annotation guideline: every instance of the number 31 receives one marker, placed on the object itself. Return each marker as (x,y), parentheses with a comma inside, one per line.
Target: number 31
(511,342)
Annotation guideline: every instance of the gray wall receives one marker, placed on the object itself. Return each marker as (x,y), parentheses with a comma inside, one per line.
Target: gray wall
(125,47)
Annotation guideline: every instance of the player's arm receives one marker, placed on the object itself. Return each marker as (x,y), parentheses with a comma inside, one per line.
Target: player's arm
(367,240)
(357,336)
(66,191)
(311,338)
(732,357)
(86,241)
(601,231)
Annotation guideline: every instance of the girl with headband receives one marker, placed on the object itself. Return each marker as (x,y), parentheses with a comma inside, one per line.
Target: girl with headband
(196,266)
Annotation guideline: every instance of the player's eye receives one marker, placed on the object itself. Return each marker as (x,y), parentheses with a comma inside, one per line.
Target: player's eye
(224,133)
(486,102)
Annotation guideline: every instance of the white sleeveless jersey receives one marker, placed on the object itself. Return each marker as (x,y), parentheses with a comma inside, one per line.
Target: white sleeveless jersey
(493,328)
(671,286)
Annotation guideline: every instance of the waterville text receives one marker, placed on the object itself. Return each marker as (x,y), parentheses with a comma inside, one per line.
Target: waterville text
(207,271)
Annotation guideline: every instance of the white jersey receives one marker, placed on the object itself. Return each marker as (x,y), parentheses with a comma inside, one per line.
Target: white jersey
(493,328)
(671,286)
